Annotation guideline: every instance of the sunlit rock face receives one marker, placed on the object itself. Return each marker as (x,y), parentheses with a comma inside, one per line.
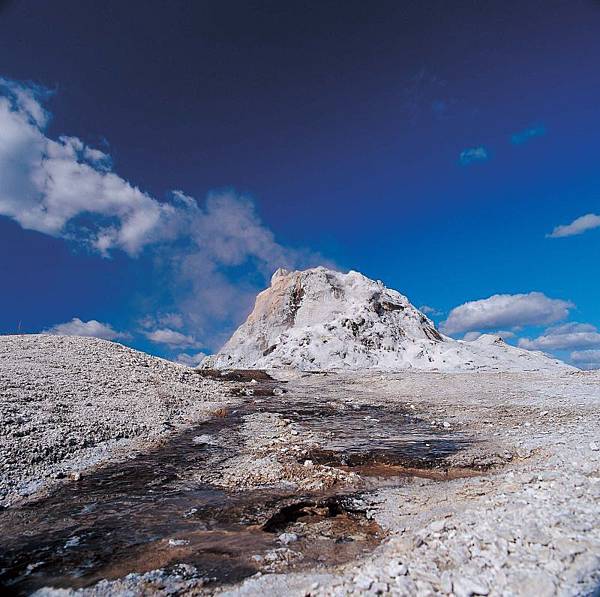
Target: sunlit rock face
(321,319)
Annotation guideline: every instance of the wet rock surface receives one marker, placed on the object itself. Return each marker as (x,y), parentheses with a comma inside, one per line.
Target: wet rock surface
(527,526)
(334,484)
(181,501)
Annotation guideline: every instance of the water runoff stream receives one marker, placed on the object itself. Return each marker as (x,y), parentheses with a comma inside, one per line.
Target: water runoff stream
(148,512)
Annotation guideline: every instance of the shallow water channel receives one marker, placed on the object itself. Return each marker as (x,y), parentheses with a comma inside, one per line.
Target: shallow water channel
(148,512)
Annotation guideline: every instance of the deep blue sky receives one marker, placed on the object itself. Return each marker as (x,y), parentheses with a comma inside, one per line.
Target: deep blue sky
(344,121)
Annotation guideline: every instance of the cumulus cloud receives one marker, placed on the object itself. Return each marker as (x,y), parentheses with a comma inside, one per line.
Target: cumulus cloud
(586,359)
(191,360)
(50,185)
(470,336)
(505,334)
(506,311)
(527,134)
(473,154)
(568,336)
(172,338)
(47,184)
(91,328)
(577,226)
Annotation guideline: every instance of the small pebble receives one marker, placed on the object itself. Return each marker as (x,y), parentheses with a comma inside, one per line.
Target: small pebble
(287,538)
(437,526)
(363,582)
(397,569)
(178,542)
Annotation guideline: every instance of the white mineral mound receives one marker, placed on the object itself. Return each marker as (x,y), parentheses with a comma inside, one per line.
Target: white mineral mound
(319,319)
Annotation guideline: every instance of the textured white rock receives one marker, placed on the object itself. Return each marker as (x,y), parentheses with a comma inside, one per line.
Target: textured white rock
(363,582)
(396,568)
(286,538)
(67,402)
(495,524)
(466,587)
(320,319)
(533,583)
(437,526)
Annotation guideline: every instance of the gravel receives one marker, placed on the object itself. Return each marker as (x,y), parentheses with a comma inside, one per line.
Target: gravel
(528,524)
(67,403)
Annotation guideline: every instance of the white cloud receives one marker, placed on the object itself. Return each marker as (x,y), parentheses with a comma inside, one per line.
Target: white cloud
(506,311)
(91,328)
(191,360)
(210,257)
(504,334)
(170,320)
(586,359)
(172,338)
(429,310)
(473,154)
(577,226)
(50,185)
(470,336)
(47,184)
(528,133)
(569,336)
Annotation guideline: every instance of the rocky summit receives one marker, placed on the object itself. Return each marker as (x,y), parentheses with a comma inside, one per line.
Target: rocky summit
(321,319)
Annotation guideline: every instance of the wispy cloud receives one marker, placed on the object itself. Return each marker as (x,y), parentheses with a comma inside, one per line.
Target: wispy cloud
(91,328)
(527,134)
(506,311)
(586,359)
(226,234)
(577,226)
(170,320)
(429,310)
(439,107)
(472,155)
(568,336)
(172,338)
(425,92)
(213,255)
(191,360)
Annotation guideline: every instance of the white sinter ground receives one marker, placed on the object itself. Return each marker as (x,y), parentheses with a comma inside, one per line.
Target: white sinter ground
(320,319)
(530,525)
(69,402)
